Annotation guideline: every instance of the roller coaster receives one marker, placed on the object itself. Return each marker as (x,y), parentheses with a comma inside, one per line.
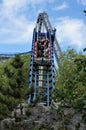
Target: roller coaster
(45,49)
(42,70)
(11,55)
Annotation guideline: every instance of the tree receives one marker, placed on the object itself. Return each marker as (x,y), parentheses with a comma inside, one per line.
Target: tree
(6,99)
(16,81)
(10,71)
(81,81)
(70,79)
(84,49)
(84,11)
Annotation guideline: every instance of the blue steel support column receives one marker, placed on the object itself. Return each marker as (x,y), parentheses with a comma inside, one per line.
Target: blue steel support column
(53,73)
(48,93)
(35,86)
(52,61)
(31,65)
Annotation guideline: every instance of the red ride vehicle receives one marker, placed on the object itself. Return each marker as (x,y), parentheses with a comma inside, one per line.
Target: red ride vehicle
(42,50)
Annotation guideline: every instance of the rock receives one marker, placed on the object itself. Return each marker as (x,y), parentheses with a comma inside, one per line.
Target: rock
(43,117)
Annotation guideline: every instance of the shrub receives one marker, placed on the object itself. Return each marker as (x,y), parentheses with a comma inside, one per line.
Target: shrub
(28,112)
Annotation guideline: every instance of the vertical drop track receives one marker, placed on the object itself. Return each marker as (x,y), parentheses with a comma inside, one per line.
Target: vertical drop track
(42,75)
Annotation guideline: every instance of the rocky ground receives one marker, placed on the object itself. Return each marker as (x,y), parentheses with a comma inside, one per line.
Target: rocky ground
(41,117)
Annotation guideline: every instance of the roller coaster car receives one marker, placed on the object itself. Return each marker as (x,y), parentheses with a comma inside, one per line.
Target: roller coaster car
(42,51)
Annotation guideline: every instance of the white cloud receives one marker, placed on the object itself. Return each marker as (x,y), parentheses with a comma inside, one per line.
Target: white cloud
(16,20)
(21,34)
(71,32)
(83,2)
(63,6)
(14,26)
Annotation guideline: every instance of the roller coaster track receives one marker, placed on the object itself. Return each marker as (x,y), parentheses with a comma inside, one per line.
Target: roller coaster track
(11,55)
(42,70)
(43,20)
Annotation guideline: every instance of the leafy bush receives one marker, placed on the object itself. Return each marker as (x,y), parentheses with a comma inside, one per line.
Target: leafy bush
(28,112)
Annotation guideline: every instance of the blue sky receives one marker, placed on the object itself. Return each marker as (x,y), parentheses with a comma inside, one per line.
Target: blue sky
(18,18)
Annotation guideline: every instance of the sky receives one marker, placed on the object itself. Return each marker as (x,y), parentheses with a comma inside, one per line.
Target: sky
(18,19)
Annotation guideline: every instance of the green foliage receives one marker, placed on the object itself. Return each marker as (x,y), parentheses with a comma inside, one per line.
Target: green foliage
(4,112)
(77,126)
(15,125)
(14,74)
(71,80)
(28,111)
(84,11)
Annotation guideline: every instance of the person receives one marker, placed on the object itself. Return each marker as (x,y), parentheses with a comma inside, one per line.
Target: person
(42,40)
(39,45)
(39,48)
(39,54)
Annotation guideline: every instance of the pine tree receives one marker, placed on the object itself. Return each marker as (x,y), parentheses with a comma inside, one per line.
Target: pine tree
(14,75)
(71,79)
(16,82)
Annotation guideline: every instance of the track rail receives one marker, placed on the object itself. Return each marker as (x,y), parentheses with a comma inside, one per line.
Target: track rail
(43,20)
(42,70)
(10,55)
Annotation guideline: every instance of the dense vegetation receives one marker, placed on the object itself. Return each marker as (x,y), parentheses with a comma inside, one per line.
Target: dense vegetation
(70,84)
(71,80)
(14,74)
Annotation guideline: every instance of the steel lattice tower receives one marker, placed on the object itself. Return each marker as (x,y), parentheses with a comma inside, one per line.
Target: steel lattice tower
(42,69)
